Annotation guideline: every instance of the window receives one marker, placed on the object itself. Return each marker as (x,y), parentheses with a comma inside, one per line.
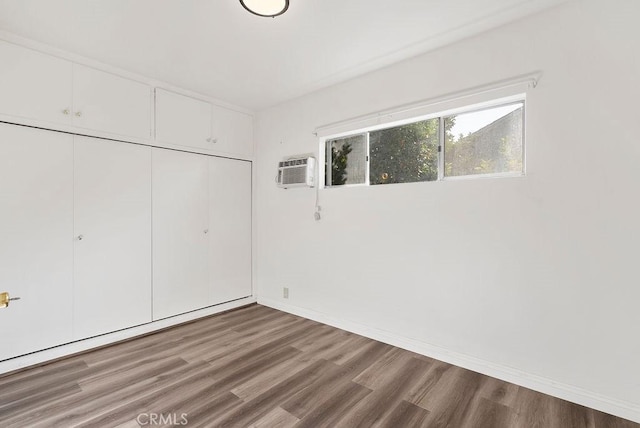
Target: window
(348,160)
(484,142)
(472,143)
(405,154)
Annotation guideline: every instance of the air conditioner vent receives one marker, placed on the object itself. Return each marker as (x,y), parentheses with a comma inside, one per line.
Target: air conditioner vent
(296,172)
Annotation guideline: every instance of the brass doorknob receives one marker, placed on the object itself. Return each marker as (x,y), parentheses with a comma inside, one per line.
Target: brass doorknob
(5,299)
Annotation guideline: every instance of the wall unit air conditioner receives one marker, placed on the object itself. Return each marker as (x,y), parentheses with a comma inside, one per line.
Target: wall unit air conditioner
(297,172)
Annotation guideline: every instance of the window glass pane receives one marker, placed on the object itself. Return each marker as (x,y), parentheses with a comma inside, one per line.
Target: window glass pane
(404,154)
(346,160)
(484,142)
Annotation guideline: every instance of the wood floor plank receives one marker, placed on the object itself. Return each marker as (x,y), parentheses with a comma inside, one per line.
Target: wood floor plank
(192,349)
(575,416)
(385,370)
(320,333)
(428,380)
(489,414)
(330,342)
(259,367)
(129,424)
(201,409)
(24,405)
(277,418)
(263,381)
(451,399)
(154,402)
(604,420)
(387,394)
(256,324)
(347,348)
(334,380)
(498,391)
(405,415)
(110,395)
(28,383)
(539,410)
(329,413)
(253,410)
(273,338)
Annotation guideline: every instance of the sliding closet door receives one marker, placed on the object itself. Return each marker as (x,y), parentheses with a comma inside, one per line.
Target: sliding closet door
(230,224)
(36,238)
(112,258)
(180,232)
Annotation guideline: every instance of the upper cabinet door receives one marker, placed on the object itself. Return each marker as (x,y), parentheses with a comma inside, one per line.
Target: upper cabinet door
(34,85)
(230,229)
(36,245)
(183,120)
(112,222)
(180,232)
(110,103)
(232,132)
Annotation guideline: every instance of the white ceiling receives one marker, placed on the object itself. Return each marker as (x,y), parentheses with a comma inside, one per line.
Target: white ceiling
(216,48)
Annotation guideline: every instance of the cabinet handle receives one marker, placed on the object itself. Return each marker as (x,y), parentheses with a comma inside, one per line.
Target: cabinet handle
(80,237)
(5,299)
(206,231)
(209,140)
(214,140)
(78,113)
(66,111)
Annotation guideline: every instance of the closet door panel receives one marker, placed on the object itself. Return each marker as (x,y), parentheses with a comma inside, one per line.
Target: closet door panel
(112,257)
(182,120)
(106,102)
(180,232)
(230,225)
(232,132)
(36,244)
(34,85)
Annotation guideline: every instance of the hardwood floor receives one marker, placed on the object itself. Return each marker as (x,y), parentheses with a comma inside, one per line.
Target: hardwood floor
(258,367)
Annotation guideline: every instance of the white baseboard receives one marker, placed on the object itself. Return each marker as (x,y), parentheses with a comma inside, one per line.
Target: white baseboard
(106,339)
(541,384)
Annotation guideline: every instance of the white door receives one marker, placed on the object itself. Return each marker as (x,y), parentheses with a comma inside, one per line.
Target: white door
(112,257)
(110,103)
(34,85)
(230,229)
(183,120)
(232,132)
(36,238)
(180,232)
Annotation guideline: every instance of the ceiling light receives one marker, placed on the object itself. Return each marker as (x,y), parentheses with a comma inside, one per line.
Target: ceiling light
(266,8)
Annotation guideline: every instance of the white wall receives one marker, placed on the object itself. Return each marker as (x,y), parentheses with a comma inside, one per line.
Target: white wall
(537,274)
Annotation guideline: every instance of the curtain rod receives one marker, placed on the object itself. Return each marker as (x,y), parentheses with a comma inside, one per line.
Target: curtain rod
(531,79)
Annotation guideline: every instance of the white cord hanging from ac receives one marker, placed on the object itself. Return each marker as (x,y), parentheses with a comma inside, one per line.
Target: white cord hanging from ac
(318,208)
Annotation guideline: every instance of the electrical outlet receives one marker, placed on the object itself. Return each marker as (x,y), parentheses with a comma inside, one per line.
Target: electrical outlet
(285,292)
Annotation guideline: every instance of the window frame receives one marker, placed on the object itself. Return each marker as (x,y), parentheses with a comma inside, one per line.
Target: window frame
(441,116)
(327,155)
(441,154)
